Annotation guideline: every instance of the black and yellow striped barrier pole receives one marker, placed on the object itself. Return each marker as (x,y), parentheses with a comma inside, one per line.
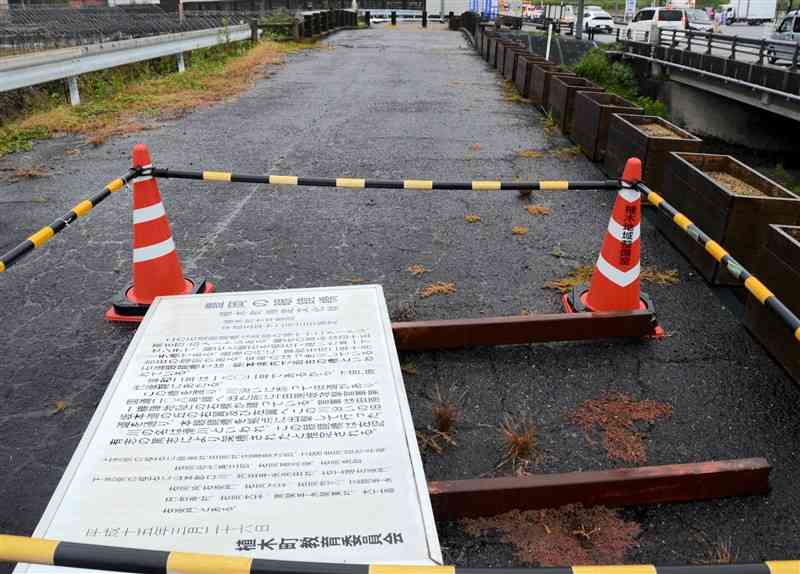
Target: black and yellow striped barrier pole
(47,232)
(751,283)
(138,561)
(359,183)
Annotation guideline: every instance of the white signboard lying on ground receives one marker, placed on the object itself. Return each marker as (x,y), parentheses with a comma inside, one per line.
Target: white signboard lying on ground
(269,424)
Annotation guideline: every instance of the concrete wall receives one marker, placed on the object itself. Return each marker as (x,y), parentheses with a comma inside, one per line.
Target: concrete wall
(704,113)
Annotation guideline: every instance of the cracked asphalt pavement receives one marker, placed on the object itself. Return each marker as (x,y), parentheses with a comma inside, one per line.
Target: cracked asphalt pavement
(391,103)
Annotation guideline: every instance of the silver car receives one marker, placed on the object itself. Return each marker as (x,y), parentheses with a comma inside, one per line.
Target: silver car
(783,41)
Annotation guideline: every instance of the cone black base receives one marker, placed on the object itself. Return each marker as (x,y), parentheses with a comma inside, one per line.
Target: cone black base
(124,310)
(573,303)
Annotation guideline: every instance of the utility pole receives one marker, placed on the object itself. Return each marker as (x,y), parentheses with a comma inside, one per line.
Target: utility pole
(579,21)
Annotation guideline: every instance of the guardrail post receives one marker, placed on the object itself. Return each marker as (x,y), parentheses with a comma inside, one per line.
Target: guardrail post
(424,18)
(367,18)
(181,62)
(761,47)
(74,94)
(655,40)
(710,39)
(733,48)
(793,67)
(308,26)
(394,18)
(254,31)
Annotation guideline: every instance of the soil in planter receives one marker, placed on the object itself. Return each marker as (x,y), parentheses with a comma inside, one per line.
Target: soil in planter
(659,131)
(734,184)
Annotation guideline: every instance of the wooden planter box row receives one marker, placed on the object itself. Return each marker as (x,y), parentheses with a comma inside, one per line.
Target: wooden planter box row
(649,138)
(732,203)
(779,268)
(754,218)
(561,100)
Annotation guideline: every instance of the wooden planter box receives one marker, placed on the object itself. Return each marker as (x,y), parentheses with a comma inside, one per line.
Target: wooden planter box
(779,270)
(736,221)
(510,63)
(590,119)
(504,47)
(561,101)
(540,82)
(523,76)
(649,138)
(491,52)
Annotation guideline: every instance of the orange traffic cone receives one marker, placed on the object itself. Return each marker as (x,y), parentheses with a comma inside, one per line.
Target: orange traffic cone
(614,285)
(156,267)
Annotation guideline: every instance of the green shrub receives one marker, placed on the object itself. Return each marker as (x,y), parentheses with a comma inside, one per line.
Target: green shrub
(617,78)
(20,139)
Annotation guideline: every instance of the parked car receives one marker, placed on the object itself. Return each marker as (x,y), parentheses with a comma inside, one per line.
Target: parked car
(568,15)
(787,31)
(597,20)
(665,18)
(699,20)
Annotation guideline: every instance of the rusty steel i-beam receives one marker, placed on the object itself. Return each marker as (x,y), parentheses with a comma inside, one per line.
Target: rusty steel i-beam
(520,330)
(454,499)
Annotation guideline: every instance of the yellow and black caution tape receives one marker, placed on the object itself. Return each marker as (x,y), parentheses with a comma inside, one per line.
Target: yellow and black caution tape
(751,283)
(360,183)
(138,561)
(47,232)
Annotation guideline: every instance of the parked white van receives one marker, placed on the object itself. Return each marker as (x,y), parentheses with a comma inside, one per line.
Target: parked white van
(665,18)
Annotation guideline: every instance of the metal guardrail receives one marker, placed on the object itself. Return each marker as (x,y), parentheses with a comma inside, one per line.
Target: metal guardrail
(737,48)
(32,69)
(730,63)
(38,28)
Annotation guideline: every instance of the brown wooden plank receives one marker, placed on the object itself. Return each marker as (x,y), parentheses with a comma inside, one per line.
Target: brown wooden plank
(454,499)
(518,330)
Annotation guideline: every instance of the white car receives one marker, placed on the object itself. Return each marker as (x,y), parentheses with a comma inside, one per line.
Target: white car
(699,20)
(664,18)
(598,21)
(784,39)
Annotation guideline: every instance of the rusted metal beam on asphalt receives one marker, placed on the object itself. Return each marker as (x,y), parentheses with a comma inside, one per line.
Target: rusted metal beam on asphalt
(517,330)
(454,499)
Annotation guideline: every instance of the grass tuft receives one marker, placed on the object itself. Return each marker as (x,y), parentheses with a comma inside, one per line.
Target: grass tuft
(718,552)
(445,411)
(510,93)
(130,98)
(519,437)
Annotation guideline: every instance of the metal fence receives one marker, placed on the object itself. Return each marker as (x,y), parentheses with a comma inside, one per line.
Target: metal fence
(33,29)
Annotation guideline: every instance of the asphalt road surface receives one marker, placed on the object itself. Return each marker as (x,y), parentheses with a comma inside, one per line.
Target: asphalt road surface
(391,103)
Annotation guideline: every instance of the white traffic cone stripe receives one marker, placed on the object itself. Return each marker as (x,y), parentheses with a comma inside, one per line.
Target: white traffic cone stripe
(148,213)
(630,195)
(141,254)
(621,278)
(619,233)
(143,177)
